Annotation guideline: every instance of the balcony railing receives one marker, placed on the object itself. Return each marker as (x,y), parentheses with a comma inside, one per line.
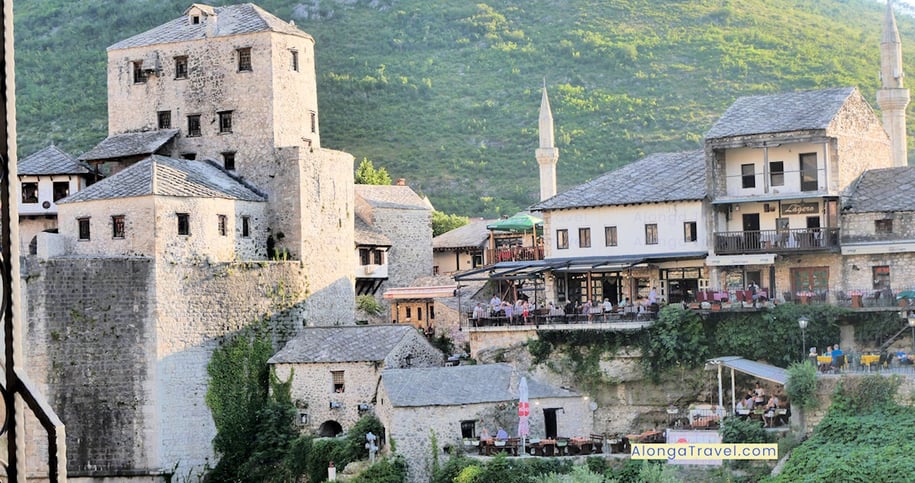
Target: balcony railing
(514,254)
(776,241)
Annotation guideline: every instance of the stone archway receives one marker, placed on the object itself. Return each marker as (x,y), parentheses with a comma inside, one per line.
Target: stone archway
(330,429)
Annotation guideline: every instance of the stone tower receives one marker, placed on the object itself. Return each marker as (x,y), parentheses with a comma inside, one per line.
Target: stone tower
(547,154)
(892,96)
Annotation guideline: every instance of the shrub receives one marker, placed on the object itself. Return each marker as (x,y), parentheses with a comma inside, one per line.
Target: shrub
(736,430)
(368,304)
(388,470)
(677,338)
(802,385)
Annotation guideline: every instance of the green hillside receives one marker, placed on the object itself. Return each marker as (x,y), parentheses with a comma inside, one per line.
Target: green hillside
(446,94)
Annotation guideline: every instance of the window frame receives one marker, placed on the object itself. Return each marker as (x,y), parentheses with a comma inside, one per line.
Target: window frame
(776,176)
(883,227)
(56,193)
(118,227)
(245,226)
(808,171)
(244,58)
(748,180)
(338,382)
(84,228)
(30,187)
(228,160)
(584,237)
(184,224)
(651,233)
(180,67)
(225,122)
(164,119)
(194,126)
(611,238)
(139,74)
(294,60)
(689,231)
(562,239)
(222,224)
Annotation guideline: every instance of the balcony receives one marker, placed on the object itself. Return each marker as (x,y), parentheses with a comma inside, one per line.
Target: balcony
(776,241)
(514,254)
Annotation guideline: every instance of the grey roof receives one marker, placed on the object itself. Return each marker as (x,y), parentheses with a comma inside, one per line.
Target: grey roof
(346,343)
(48,161)
(753,368)
(366,234)
(777,113)
(162,176)
(391,196)
(656,178)
(449,386)
(473,234)
(129,144)
(238,19)
(886,189)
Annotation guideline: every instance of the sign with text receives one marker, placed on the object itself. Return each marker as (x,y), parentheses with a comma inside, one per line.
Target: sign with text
(800,208)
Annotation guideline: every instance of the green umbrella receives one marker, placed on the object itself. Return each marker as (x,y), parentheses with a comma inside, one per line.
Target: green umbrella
(521,222)
(907,294)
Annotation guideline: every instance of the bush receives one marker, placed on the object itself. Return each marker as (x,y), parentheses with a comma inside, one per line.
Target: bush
(802,385)
(388,470)
(368,304)
(736,430)
(676,339)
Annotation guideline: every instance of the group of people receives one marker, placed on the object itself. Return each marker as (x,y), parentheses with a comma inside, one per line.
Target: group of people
(756,398)
(521,308)
(836,354)
(501,435)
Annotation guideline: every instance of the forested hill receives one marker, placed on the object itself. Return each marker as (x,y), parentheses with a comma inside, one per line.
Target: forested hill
(446,93)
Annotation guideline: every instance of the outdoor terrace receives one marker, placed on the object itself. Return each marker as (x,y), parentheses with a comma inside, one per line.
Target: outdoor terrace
(776,241)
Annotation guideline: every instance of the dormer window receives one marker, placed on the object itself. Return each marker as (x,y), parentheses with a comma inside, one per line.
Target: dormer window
(195,19)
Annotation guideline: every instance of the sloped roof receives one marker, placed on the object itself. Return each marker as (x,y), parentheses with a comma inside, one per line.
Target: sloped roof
(366,234)
(391,196)
(162,176)
(659,177)
(473,234)
(238,19)
(449,386)
(346,343)
(129,144)
(48,161)
(753,368)
(886,189)
(787,112)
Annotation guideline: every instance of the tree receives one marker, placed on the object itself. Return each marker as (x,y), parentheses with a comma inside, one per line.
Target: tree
(367,174)
(442,223)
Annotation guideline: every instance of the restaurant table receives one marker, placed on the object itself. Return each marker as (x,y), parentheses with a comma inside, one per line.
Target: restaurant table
(868,359)
(824,362)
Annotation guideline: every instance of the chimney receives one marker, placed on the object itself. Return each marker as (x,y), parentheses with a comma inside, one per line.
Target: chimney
(401,182)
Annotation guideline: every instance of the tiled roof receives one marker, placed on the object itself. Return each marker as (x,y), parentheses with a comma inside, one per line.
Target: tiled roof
(367,234)
(448,386)
(878,190)
(793,111)
(244,18)
(473,234)
(655,178)
(347,343)
(162,176)
(129,144)
(50,160)
(391,196)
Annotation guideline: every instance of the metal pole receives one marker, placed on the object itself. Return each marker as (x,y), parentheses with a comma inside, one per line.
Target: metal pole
(803,344)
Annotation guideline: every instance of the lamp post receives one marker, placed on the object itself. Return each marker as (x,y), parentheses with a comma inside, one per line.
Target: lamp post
(802,323)
(912,325)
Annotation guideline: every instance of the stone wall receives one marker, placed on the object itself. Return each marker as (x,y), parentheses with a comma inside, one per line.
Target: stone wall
(120,347)
(860,227)
(862,142)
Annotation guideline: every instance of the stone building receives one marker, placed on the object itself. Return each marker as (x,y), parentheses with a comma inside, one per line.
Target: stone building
(462,248)
(45,177)
(336,370)
(219,208)
(458,402)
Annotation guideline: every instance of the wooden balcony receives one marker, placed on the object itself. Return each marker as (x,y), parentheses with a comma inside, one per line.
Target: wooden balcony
(514,254)
(776,241)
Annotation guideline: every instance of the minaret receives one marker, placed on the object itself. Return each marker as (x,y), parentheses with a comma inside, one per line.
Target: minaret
(547,154)
(893,97)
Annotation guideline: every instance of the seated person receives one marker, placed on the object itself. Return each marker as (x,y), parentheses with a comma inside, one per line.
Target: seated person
(749,400)
(903,358)
(501,434)
(484,435)
(771,406)
(838,357)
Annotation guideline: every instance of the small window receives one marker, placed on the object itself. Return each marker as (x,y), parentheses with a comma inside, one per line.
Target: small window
(431,312)
(809,180)
(562,239)
(337,377)
(225,121)
(139,75)
(244,59)
(689,231)
(468,429)
(117,226)
(61,189)
(379,257)
(881,277)
(83,228)
(184,224)
(314,122)
(181,67)
(748,175)
(777,173)
(245,226)
(223,221)
(195,19)
(584,237)
(883,227)
(364,256)
(164,119)
(30,192)
(228,161)
(610,236)
(193,125)
(409,313)
(651,234)
(189,156)
(294,60)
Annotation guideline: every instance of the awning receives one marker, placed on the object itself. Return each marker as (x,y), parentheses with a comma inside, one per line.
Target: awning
(433,292)
(594,264)
(751,259)
(756,369)
(729,200)
(506,271)
(877,248)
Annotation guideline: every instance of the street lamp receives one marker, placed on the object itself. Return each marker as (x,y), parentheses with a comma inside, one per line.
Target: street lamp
(912,325)
(802,323)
